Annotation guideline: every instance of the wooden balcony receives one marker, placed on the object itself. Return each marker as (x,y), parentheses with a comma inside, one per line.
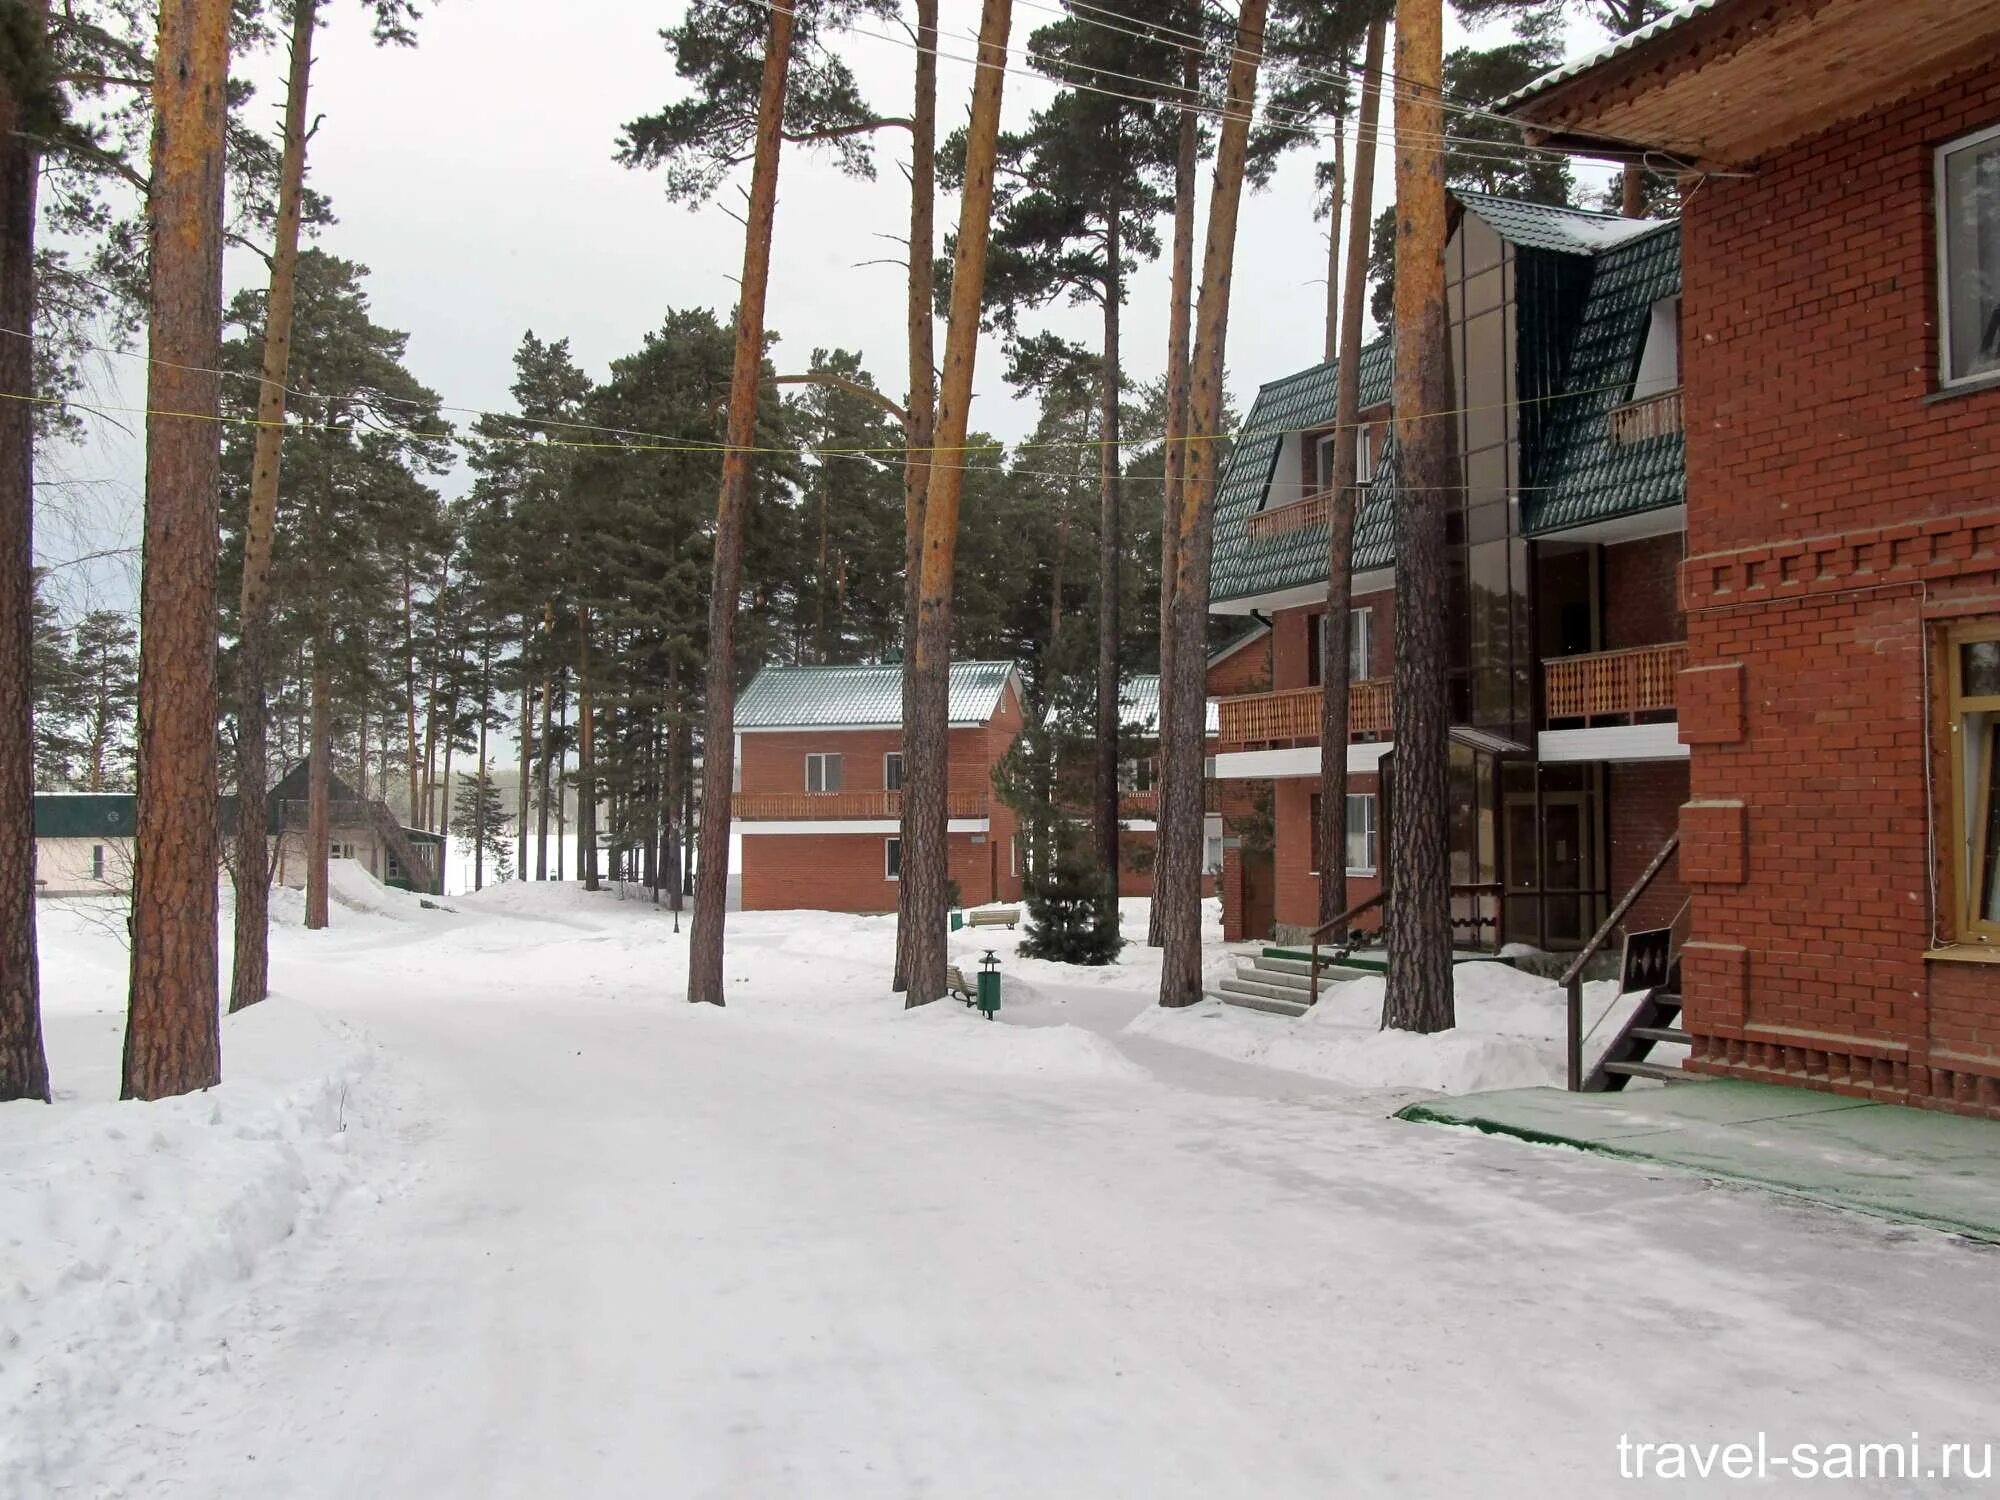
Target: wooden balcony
(806,806)
(1267,720)
(1612,685)
(1655,416)
(1144,807)
(1299,515)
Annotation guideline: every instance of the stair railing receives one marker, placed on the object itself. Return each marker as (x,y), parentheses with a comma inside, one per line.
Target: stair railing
(1339,925)
(1572,979)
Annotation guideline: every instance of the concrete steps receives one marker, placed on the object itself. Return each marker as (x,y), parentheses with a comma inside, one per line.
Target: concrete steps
(1282,986)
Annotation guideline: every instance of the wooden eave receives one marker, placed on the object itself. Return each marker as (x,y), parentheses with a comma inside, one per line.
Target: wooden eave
(1736,84)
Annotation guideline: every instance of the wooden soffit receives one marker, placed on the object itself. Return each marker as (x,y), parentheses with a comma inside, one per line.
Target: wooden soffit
(1742,79)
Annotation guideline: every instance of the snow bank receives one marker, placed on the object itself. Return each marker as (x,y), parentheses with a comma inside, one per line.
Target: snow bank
(1509,1034)
(118,1220)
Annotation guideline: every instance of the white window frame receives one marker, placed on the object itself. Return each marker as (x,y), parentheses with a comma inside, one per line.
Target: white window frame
(1942,229)
(1322,462)
(1360,641)
(96,861)
(821,758)
(896,843)
(1374,832)
(1364,455)
(897,757)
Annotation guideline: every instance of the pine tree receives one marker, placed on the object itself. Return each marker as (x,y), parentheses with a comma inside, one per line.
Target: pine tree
(480,814)
(172,1044)
(1177,882)
(1072,907)
(100,696)
(1081,189)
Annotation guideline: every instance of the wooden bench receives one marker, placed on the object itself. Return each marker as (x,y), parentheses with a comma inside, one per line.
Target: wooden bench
(994,916)
(955,985)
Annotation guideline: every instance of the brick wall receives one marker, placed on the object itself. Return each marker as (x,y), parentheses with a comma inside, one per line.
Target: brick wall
(775,761)
(1642,592)
(844,871)
(1836,504)
(1298,886)
(1644,809)
(1288,639)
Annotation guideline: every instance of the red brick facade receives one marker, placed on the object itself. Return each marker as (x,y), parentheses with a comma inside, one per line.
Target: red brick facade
(1840,506)
(847,871)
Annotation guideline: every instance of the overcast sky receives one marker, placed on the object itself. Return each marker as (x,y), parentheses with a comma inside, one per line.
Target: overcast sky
(474,176)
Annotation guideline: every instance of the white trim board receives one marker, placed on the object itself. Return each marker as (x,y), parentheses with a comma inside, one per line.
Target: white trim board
(1303,760)
(1613,742)
(762,829)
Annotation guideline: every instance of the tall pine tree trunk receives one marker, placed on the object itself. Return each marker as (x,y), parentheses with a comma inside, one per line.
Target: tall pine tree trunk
(586,758)
(410,697)
(1330,836)
(1177,887)
(926,730)
(1336,197)
(562,771)
(24,1068)
(1179,312)
(319,823)
(705,983)
(479,807)
(1108,559)
(920,415)
(1419,995)
(250,979)
(521,798)
(172,1039)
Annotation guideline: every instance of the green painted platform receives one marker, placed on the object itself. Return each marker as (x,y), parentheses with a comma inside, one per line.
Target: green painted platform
(1916,1166)
(1368,958)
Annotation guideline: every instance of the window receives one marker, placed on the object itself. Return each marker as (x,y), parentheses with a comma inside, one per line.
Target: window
(892,859)
(1968,199)
(1364,455)
(1973,664)
(1660,357)
(1137,774)
(1360,834)
(1364,464)
(822,773)
(1323,461)
(96,861)
(892,771)
(1360,644)
(1213,857)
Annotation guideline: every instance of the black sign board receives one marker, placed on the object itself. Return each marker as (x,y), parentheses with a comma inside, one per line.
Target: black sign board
(1645,962)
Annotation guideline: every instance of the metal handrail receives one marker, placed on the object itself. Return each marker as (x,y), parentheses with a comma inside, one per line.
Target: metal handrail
(1572,979)
(1340,922)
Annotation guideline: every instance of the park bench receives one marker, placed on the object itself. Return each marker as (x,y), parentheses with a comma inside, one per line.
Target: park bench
(955,985)
(994,916)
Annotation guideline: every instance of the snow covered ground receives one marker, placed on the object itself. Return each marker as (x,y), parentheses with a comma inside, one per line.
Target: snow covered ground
(483,1211)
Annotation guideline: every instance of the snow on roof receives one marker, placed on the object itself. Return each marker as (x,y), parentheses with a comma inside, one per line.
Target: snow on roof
(1539,226)
(1139,703)
(861,696)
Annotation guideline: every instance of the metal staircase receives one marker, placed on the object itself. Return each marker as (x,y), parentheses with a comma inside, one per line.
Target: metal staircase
(1654,1021)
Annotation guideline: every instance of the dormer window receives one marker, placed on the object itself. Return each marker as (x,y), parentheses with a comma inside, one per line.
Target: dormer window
(1968,198)
(1660,359)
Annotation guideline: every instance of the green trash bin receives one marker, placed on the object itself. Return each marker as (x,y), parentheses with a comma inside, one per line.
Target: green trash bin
(957,920)
(989,985)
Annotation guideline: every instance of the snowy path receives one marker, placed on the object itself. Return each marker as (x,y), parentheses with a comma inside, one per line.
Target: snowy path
(655,1250)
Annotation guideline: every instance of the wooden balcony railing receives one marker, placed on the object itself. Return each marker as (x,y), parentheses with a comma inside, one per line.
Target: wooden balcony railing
(1614,684)
(1654,416)
(1145,806)
(800,806)
(1298,515)
(1292,717)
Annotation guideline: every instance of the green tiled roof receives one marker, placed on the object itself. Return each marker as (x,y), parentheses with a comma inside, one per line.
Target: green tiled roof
(86,815)
(870,696)
(1246,566)
(1584,476)
(1587,283)
(1537,226)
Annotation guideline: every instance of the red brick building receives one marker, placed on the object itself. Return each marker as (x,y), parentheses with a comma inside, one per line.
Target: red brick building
(818,786)
(1566,771)
(1841,329)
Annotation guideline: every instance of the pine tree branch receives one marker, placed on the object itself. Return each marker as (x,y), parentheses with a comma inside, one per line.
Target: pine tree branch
(867,393)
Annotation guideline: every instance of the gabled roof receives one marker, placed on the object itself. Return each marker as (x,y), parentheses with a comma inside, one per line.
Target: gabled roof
(1244,638)
(862,697)
(1246,565)
(1584,476)
(1614,269)
(86,815)
(1139,706)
